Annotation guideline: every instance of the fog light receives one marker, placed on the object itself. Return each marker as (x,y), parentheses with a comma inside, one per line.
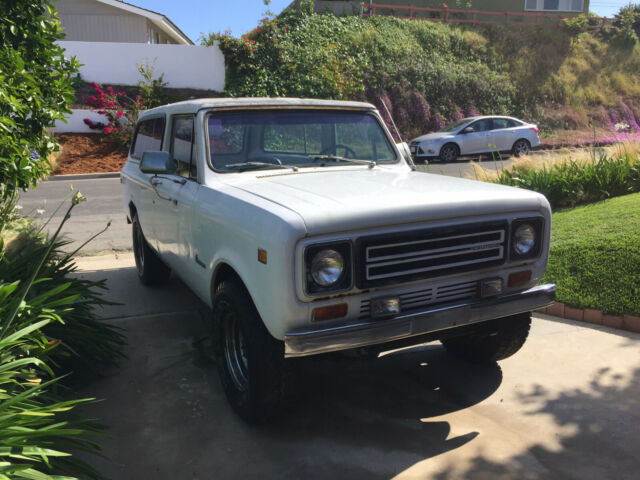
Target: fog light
(519,279)
(490,288)
(385,307)
(329,313)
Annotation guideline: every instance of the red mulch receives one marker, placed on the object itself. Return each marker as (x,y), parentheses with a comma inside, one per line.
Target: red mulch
(88,153)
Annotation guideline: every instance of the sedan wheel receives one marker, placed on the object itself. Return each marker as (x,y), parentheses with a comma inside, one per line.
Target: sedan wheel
(521,147)
(449,153)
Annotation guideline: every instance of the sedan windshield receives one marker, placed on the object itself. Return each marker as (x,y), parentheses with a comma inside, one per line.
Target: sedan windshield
(276,139)
(453,126)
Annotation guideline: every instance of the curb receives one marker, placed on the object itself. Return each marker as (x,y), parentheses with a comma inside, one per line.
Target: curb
(630,323)
(83,176)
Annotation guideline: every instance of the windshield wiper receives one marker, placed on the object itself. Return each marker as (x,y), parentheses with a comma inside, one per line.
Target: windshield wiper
(258,165)
(336,158)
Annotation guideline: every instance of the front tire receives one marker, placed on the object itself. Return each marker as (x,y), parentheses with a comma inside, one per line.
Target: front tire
(150,269)
(501,339)
(250,361)
(449,153)
(521,147)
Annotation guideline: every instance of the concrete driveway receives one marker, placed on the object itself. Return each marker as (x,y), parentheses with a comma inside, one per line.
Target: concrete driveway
(566,406)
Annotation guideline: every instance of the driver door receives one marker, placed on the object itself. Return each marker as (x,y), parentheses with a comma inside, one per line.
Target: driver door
(477,141)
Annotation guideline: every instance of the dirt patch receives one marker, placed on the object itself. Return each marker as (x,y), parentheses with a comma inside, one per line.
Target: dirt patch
(88,153)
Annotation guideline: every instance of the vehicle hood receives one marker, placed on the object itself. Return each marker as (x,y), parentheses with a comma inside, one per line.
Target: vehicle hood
(356,198)
(431,137)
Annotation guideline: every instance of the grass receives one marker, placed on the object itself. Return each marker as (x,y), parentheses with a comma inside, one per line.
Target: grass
(491,171)
(595,256)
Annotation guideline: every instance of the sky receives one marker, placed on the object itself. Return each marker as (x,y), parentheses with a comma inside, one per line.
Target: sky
(203,16)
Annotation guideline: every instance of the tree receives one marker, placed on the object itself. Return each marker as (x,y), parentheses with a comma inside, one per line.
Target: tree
(35,90)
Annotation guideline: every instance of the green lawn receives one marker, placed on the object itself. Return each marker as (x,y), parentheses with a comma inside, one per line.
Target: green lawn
(595,255)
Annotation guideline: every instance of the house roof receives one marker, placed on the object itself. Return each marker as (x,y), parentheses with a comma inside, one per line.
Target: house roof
(160,20)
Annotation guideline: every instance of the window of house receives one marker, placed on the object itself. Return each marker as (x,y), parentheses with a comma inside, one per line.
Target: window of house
(182,146)
(148,137)
(554,5)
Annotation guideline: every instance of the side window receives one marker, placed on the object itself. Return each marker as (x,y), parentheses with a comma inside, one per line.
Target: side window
(513,124)
(148,137)
(482,125)
(499,123)
(182,146)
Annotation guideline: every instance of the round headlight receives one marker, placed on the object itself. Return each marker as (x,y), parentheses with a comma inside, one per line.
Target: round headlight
(524,239)
(326,267)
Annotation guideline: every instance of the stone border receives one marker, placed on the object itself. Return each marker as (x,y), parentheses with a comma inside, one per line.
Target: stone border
(629,323)
(83,176)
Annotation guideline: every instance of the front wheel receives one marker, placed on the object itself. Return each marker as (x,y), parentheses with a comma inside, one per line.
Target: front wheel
(501,339)
(449,153)
(250,361)
(521,147)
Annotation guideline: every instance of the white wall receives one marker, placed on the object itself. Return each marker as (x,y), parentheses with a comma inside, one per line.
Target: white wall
(75,122)
(183,66)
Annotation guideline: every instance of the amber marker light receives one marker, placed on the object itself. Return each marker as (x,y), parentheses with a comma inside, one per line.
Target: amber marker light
(330,312)
(519,279)
(262,256)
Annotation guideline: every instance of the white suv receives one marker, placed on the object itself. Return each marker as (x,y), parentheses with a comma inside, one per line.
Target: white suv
(303,228)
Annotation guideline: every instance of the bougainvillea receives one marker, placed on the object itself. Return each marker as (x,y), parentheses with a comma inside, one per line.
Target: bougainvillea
(120,110)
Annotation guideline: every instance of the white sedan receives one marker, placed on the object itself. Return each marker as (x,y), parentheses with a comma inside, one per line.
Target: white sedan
(477,136)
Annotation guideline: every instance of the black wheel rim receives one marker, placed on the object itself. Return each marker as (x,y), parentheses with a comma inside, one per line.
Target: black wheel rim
(522,148)
(448,154)
(234,349)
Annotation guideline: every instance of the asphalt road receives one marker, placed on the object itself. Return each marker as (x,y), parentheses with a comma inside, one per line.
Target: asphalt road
(566,406)
(102,205)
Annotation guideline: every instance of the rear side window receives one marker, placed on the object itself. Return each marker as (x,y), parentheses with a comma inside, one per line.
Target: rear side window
(148,136)
(514,123)
(499,123)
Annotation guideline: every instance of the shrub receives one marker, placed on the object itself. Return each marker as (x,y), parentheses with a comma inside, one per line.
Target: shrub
(573,183)
(38,429)
(121,111)
(576,25)
(35,90)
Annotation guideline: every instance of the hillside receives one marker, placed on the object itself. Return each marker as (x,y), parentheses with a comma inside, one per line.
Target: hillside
(428,73)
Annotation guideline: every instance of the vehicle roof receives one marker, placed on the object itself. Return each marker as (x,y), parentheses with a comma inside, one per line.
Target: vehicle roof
(479,117)
(192,106)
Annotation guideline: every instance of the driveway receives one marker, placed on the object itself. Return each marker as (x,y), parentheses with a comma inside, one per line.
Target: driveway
(566,406)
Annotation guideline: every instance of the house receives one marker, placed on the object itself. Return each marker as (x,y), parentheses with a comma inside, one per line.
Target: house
(564,7)
(116,21)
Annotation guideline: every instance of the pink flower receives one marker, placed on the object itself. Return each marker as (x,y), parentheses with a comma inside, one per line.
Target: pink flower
(119,114)
(107,129)
(111,104)
(94,84)
(93,98)
(87,121)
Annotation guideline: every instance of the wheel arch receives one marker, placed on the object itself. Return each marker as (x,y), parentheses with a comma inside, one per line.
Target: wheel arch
(450,142)
(133,211)
(224,271)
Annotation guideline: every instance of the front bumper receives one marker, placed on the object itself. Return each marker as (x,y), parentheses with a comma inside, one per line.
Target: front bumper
(303,342)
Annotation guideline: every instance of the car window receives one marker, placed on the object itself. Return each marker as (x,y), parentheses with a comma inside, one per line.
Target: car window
(182,146)
(227,137)
(148,136)
(499,123)
(286,138)
(514,123)
(481,125)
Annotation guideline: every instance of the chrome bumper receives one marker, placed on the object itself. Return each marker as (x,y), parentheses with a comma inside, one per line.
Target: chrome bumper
(305,342)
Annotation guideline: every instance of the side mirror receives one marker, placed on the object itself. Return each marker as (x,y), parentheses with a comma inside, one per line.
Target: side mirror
(467,130)
(158,163)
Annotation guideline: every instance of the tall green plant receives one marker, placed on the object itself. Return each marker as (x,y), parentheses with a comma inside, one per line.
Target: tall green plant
(37,430)
(35,90)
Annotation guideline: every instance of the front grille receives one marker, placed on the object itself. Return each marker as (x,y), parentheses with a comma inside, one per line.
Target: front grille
(429,253)
(429,296)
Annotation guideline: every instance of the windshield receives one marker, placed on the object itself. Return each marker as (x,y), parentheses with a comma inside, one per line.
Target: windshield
(250,140)
(451,127)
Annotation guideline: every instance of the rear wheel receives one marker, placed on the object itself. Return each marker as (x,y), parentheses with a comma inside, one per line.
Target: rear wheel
(250,361)
(501,339)
(521,147)
(449,153)
(151,270)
